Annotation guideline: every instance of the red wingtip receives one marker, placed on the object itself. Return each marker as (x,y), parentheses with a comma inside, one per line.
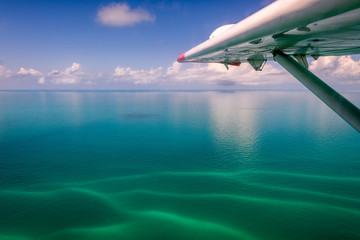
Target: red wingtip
(181,58)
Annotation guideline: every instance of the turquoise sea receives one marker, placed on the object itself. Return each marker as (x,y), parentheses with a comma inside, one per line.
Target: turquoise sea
(176,165)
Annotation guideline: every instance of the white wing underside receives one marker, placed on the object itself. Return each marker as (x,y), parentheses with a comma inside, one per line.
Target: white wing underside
(336,35)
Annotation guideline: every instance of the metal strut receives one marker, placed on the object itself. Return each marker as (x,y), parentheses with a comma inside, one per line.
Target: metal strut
(343,107)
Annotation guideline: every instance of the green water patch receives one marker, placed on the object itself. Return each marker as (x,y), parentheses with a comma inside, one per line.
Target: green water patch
(310,196)
(151,225)
(345,187)
(239,200)
(311,176)
(14,237)
(39,213)
(237,184)
(256,184)
(246,175)
(245,202)
(251,214)
(116,231)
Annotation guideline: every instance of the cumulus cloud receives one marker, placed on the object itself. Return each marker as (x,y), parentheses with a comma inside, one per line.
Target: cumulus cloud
(348,67)
(41,80)
(30,71)
(138,76)
(71,75)
(75,67)
(120,15)
(342,69)
(4,73)
(213,73)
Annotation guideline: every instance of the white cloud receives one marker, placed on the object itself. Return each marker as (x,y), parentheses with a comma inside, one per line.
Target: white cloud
(41,80)
(4,73)
(213,74)
(120,15)
(344,69)
(348,67)
(138,76)
(26,77)
(324,64)
(75,67)
(341,71)
(174,68)
(30,71)
(71,75)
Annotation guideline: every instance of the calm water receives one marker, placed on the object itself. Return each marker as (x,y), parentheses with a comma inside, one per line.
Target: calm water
(176,165)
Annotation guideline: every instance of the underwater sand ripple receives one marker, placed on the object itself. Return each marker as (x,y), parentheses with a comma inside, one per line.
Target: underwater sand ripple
(46,212)
(156,225)
(169,193)
(229,183)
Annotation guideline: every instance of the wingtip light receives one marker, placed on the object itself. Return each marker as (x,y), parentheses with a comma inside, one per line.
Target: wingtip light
(181,58)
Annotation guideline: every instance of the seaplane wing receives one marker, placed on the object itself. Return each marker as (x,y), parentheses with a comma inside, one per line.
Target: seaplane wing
(289,31)
(295,27)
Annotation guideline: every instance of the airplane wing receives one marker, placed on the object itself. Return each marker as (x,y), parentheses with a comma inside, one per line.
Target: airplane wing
(296,27)
(289,31)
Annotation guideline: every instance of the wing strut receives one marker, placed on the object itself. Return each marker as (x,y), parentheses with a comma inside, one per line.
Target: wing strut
(343,107)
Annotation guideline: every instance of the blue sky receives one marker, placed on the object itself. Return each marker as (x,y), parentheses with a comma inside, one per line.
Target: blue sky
(75,45)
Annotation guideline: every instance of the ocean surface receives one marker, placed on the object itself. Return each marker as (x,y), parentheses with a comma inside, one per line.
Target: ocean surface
(176,165)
